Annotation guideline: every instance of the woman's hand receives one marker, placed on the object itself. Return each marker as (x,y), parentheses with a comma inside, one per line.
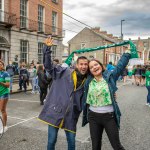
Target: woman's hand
(49,41)
(7,84)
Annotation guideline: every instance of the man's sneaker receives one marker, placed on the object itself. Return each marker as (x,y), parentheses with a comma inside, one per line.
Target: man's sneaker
(147,104)
(32,92)
(5,129)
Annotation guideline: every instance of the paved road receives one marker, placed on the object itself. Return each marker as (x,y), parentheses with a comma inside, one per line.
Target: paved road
(27,133)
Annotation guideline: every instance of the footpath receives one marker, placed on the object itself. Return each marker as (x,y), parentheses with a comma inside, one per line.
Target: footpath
(16,87)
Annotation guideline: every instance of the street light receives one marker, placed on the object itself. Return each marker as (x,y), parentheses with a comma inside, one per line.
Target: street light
(121,30)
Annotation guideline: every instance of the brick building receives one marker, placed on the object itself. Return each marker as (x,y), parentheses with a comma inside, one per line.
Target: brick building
(143,47)
(24,25)
(88,38)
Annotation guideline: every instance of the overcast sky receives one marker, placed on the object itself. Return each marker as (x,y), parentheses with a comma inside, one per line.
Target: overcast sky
(107,14)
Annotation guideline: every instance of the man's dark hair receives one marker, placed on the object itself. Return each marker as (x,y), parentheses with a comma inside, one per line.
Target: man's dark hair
(110,63)
(81,57)
(56,60)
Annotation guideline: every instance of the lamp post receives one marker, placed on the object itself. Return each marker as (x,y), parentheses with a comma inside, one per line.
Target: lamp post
(121,30)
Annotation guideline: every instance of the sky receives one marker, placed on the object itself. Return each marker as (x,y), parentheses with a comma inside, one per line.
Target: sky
(107,14)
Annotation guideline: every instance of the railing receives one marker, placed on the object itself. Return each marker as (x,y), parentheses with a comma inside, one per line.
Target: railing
(39,27)
(7,18)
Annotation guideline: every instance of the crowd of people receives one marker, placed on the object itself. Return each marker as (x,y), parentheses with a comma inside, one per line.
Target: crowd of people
(67,91)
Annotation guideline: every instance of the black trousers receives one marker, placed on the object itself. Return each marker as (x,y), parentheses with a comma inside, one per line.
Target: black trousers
(98,122)
(43,93)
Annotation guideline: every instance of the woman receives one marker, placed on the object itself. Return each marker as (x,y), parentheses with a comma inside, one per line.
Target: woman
(147,75)
(32,77)
(137,74)
(124,75)
(4,93)
(101,108)
(42,83)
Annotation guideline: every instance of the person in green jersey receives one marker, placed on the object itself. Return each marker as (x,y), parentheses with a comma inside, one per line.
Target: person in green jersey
(4,93)
(147,75)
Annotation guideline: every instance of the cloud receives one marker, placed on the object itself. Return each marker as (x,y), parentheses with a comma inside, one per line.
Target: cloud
(108,15)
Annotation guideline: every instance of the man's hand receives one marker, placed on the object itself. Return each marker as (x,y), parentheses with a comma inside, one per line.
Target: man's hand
(115,96)
(49,41)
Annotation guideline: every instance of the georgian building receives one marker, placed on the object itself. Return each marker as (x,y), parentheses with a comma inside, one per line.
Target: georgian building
(24,25)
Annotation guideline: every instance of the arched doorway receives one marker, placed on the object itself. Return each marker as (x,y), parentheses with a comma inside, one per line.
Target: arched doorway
(4,49)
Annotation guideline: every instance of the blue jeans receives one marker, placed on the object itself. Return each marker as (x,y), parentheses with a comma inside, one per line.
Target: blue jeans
(148,95)
(52,138)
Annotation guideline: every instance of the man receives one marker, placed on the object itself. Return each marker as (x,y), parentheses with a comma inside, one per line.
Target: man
(10,68)
(110,67)
(56,61)
(64,102)
(23,77)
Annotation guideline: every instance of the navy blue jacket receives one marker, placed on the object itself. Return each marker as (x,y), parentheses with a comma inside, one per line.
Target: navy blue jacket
(110,78)
(63,104)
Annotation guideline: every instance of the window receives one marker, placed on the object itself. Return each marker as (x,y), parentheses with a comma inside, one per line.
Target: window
(112,58)
(1,10)
(40,52)
(24,51)
(40,18)
(54,22)
(0,4)
(54,47)
(23,13)
(83,45)
(55,1)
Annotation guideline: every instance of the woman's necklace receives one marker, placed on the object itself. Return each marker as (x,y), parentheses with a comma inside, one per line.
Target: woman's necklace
(99,79)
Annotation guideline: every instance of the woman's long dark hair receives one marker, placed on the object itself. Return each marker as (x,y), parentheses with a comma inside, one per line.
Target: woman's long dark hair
(103,68)
(40,68)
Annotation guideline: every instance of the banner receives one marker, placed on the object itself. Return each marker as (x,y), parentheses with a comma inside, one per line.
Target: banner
(133,50)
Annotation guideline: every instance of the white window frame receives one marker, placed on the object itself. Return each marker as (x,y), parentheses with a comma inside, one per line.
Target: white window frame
(40,18)
(55,1)
(2,10)
(54,49)
(83,45)
(54,22)
(40,52)
(24,50)
(23,13)
(111,58)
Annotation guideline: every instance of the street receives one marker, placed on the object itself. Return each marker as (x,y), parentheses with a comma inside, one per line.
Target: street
(27,133)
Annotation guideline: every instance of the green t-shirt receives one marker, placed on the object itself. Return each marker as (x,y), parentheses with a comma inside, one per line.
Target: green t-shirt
(147,75)
(4,77)
(98,93)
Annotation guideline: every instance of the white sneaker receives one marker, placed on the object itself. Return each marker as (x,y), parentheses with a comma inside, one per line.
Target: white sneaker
(32,92)
(5,129)
(1,131)
(147,104)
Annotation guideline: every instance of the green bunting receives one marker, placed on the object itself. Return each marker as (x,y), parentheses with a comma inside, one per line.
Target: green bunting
(134,53)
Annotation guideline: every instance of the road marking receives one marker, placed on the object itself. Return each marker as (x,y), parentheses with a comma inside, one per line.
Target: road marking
(16,118)
(86,140)
(21,122)
(24,100)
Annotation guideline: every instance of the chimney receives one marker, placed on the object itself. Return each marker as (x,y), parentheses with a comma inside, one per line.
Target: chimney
(104,32)
(115,38)
(110,35)
(138,38)
(96,29)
